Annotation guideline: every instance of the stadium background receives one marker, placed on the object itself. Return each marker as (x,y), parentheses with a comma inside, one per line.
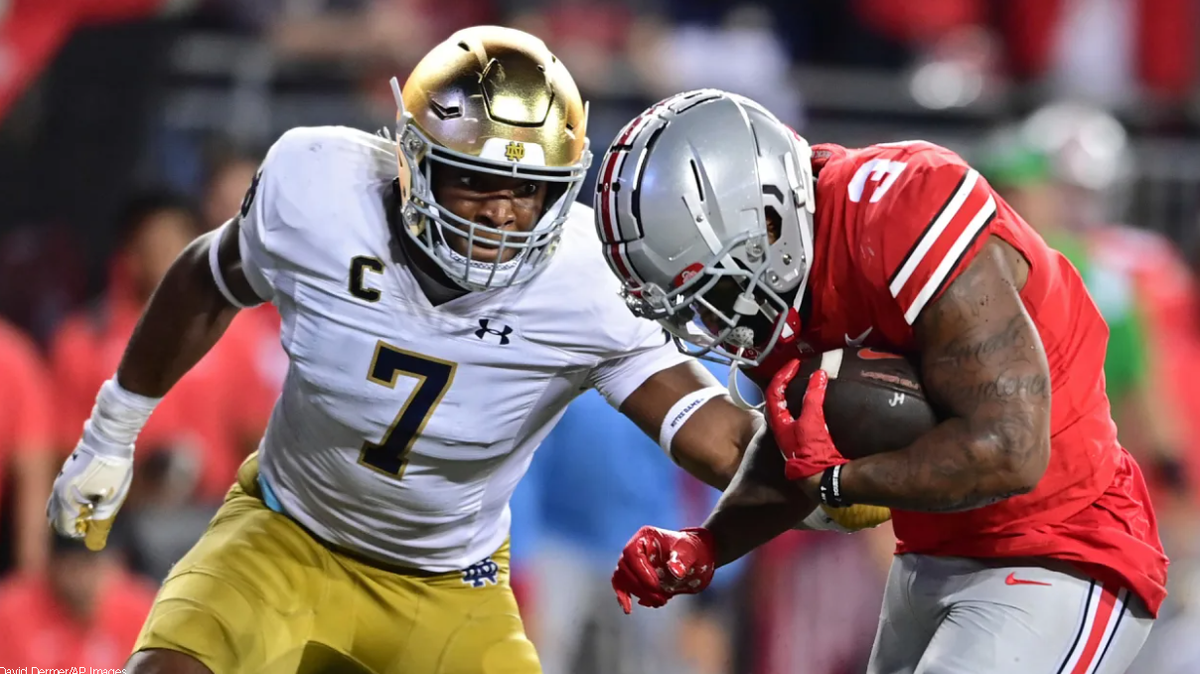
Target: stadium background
(128,125)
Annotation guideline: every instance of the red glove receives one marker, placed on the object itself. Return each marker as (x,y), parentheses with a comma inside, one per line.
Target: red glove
(805,442)
(658,564)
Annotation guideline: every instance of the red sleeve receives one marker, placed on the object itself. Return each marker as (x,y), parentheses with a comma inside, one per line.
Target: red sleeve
(928,228)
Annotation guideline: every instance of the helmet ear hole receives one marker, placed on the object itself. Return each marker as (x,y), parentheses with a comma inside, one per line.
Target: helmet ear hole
(774,224)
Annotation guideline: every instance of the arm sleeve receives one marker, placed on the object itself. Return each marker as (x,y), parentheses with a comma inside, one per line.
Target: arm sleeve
(650,352)
(929,228)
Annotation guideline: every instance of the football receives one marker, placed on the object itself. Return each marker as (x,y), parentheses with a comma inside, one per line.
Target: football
(874,402)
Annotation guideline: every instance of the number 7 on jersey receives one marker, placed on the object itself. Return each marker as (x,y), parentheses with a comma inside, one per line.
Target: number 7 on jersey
(434,376)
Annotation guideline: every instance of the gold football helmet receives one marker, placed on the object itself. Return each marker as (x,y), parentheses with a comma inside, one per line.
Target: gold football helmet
(494,100)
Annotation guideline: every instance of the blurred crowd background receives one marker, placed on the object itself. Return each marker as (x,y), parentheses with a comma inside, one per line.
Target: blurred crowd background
(129,126)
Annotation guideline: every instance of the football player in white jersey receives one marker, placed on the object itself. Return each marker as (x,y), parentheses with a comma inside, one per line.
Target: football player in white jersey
(437,324)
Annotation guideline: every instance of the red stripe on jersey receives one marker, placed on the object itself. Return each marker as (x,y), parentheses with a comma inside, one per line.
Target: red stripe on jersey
(1100,624)
(934,257)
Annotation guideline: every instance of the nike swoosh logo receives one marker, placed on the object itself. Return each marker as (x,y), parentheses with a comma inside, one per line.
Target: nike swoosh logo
(858,341)
(1013,580)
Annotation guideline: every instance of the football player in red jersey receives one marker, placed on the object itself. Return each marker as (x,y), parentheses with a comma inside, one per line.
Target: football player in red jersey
(1026,540)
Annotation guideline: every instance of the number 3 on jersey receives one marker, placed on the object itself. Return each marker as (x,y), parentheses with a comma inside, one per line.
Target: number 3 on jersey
(883,172)
(390,455)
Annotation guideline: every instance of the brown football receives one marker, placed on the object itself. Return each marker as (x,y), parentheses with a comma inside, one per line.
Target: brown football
(874,402)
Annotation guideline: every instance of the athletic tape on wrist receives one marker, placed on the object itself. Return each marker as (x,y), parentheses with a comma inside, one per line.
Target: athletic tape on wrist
(118,416)
(682,410)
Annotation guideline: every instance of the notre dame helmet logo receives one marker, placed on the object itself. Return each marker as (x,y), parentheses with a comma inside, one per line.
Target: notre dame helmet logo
(514,151)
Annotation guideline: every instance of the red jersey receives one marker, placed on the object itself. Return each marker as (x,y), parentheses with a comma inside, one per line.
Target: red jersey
(895,225)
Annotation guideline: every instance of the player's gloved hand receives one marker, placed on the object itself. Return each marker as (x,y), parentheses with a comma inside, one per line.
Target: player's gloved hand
(658,564)
(846,520)
(805,442)
(90,488)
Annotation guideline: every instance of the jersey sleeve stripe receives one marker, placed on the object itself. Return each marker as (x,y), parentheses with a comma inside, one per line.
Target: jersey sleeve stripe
(934,284)
(932,231)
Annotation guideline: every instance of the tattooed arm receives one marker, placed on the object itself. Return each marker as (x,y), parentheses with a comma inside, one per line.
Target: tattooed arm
(982,363)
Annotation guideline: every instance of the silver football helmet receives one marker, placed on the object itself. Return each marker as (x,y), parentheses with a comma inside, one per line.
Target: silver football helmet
(705,205)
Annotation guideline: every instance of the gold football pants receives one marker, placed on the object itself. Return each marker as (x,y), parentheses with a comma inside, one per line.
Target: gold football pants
(258,594)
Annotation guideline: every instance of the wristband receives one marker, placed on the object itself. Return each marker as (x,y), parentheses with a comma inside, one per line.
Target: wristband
(214,264)
(117,418)
(831,487)
(681,411)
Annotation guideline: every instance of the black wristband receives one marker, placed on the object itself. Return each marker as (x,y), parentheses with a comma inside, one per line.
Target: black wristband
(831,487)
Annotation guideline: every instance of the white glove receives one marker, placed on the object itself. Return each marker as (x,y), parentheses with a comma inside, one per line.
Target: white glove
(90,488)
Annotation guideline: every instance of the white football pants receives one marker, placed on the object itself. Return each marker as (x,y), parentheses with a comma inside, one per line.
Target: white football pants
(949,615)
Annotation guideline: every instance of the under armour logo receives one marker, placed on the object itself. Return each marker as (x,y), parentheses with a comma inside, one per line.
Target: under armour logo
(486,329)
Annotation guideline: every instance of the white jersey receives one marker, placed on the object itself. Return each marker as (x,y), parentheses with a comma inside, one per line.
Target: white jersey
(403,427)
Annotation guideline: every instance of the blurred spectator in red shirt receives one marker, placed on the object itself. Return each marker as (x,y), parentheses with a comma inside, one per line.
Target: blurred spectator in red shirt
(25,443)
(84,611)
(211,419)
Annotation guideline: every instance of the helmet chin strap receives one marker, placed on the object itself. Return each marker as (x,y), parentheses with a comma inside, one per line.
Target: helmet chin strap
(743,338)
(735,393)
(785,338)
